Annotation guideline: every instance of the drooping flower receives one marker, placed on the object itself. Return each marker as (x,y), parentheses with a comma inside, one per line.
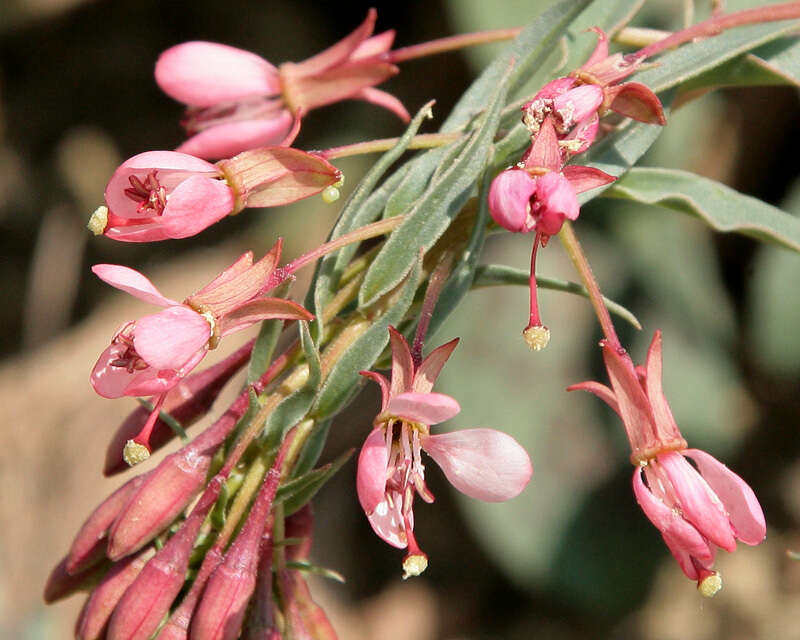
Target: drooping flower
(158,195)
(150,355)
(237,100)
(482,463)
(538,195)
(696,507)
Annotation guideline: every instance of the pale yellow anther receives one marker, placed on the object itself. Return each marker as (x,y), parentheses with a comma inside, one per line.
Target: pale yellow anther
(414,565)
(709,585)
(134,453)
(537,337)
(330,195)
(98,221)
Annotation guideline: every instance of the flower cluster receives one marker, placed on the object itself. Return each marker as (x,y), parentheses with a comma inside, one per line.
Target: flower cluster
(563,118)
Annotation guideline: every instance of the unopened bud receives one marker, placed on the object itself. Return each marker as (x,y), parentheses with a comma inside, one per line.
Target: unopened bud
(414,565)
(537,337)
(709,585)
(134,453)
(98,221)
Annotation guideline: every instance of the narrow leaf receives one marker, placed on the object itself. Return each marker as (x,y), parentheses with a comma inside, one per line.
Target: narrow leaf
(720,207)
(264,347)
(492,275)
(296,493)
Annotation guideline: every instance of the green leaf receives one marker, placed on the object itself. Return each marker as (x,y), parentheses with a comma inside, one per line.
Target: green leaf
(775,63)
(492,275)
(296,493)
(343,381)
(312,569)
(720,207)
(415,181)
(361,208)
(312,449)
(435,209)
(690,60)
(527,52)
(292,409)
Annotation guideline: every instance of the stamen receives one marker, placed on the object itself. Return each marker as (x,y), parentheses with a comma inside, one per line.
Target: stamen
(149,194)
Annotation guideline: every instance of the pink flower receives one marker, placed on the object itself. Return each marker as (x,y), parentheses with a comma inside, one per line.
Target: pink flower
(538,195)
(630,99)
(162,194)
(165,194)
(237,100)
(482,463)
(697,508)
(151,355)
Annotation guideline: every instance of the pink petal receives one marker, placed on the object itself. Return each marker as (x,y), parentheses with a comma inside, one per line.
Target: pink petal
(197,203)
(114,382)
(170,338)
(402,363)
(373,46)
(634,407)
(202,74)
(584,132)
(509,200)
(578,103)
(227,139)
(240,266)
(263,309)
(545,152)
(425,408)
(637,101)
(601,49)
(372,467)
(382,382)
(383,99)
(665,423)
(431,366)
(552,89)
(558,201)
(145,232)
(482,463)
(600,390)
(697,501)
(336,53)
(736,495)
(387,522)
(584,178)
(683,540)
(131,281)
(230,290)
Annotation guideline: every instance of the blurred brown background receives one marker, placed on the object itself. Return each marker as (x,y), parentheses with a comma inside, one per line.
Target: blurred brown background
(572,557)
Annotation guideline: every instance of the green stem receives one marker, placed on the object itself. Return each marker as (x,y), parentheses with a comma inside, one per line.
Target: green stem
(422,141)
(450,43)
(578,257)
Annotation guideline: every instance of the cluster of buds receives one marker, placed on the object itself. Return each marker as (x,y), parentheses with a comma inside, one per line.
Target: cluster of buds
(563,118)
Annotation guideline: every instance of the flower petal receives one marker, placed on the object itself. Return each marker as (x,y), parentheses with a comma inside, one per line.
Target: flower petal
(371,475)
(402,363)
(699,504)
(131,281)
(202,74)
(196,204)
(683,540)
(509,200)
(426,408)
(170,338)
(482,463)
(387,522)
(558,201)
(736,495)
(227,139)
(584,178)
(431,366)
(666,427)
